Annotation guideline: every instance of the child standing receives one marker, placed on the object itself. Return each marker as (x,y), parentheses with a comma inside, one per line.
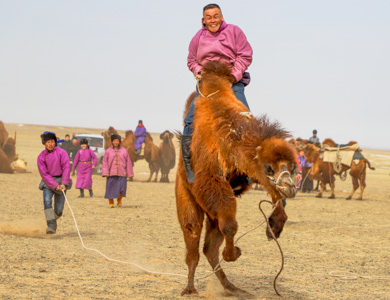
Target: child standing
(117,168)
(86,159)
(54,167)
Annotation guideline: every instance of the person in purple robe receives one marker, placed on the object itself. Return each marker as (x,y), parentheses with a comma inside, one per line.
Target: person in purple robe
(140,134)
(54,168)
(86,160)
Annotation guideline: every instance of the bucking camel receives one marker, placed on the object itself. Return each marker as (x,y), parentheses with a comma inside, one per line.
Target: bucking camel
(229,146)
(167,155)
(325,171)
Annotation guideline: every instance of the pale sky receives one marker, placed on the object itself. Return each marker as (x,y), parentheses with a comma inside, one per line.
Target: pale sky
(321,65)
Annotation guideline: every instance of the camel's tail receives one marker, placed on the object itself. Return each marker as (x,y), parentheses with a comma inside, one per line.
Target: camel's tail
(368,163)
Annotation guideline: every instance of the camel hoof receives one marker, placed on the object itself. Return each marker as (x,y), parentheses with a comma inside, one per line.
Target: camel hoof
(348,198)
(319,196)
(231,257)
(332,197)
(189,291)
(232,290)
(360,198)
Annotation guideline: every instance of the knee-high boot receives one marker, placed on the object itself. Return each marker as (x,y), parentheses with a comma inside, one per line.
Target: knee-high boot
(50,221)
(185,149)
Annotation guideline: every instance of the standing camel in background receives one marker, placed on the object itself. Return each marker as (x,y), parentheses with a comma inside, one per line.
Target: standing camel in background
(325,172)
(151,153)
(107,136)
(229,146)
(167,155)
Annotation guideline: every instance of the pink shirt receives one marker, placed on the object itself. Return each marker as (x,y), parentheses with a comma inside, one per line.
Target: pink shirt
(228,44)
(117,163)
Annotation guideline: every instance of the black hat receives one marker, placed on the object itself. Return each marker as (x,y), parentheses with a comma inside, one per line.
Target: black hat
(47,136)
(315,131)
(140,121)
(116,136)
(83,142)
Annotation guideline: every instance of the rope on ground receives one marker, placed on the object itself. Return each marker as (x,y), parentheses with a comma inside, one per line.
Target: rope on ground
(162,273)
(273,236)
(354,276)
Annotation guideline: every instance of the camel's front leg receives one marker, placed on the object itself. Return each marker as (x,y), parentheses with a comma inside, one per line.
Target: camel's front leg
(322,188)
(219,201)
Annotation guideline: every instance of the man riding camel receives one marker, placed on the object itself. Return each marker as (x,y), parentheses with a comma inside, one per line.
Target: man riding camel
(216,41)
(54,167)
(140,135)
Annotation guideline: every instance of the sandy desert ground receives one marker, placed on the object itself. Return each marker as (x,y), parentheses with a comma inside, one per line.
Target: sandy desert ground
(321,236)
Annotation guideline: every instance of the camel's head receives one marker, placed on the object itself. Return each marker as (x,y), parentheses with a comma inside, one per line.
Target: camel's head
(278,159)
(166,135)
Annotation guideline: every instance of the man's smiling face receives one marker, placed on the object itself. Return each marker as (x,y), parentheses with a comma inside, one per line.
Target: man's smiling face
(212,19)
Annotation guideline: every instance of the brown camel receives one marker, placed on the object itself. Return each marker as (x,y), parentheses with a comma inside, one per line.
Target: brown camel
(167,155)
(229,146)
(3,134)
(151,153)
(5,166)
(7,150)
(325,172)
(107,136)
(152,156)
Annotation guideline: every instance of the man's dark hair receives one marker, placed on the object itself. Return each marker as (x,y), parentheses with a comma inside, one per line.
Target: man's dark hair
(211,5)
(67,135)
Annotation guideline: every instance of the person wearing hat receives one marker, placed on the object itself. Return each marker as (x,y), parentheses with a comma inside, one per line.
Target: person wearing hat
(215,41)
(117,167)
(54,168)
(140,134)
(86,160)
(314,139)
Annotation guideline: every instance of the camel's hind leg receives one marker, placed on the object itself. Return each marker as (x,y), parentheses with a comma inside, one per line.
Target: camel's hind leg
(355,186)
(190,218)
(362,179)
(213,240)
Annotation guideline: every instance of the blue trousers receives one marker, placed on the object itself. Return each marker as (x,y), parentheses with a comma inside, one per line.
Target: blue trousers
(238,89)
(59,201)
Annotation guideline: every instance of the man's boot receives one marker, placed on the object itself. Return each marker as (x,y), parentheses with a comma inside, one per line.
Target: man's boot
(59,215)
(81,193)
(51,221)
(90,193)
(185,149)
(111,201)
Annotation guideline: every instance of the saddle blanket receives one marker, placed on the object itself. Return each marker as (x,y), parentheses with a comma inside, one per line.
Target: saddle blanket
(346,157)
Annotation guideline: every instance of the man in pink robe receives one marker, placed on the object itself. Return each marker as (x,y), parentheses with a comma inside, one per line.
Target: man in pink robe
(54,168)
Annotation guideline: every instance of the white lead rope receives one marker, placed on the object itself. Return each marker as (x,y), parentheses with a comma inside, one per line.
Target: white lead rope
(136,265)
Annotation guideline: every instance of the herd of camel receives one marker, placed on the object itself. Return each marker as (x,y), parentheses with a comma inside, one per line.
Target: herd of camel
(162,157)
(326,172)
